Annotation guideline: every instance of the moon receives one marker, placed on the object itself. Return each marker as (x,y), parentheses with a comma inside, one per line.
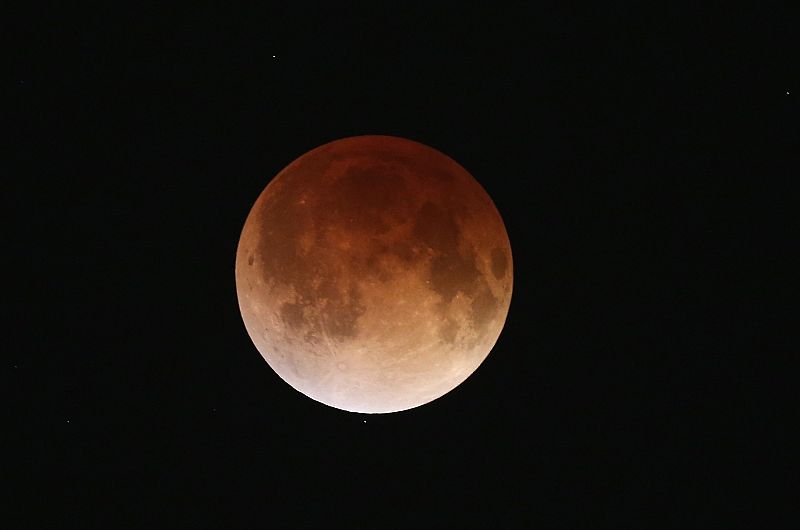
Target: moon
(374,274)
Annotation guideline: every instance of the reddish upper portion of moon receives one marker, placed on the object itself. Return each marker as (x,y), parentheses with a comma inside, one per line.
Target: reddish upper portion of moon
(374,274)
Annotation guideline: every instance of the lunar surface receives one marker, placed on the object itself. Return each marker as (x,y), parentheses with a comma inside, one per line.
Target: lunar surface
(374,274)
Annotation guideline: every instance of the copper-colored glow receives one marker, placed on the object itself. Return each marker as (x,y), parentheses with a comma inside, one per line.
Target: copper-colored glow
(374,274)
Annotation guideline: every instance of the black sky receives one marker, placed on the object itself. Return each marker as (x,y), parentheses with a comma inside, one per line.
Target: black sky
(642,159)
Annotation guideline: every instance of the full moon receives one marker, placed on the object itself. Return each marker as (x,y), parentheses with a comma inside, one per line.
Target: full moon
(374,274)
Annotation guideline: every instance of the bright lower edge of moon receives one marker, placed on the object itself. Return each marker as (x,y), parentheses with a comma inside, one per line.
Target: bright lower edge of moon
(374,274)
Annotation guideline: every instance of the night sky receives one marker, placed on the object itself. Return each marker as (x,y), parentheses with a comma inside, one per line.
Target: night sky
(643,162)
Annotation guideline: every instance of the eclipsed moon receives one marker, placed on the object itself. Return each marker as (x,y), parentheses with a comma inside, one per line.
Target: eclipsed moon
(374,274)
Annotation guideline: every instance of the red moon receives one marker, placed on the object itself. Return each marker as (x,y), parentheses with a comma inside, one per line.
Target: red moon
(374,274)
